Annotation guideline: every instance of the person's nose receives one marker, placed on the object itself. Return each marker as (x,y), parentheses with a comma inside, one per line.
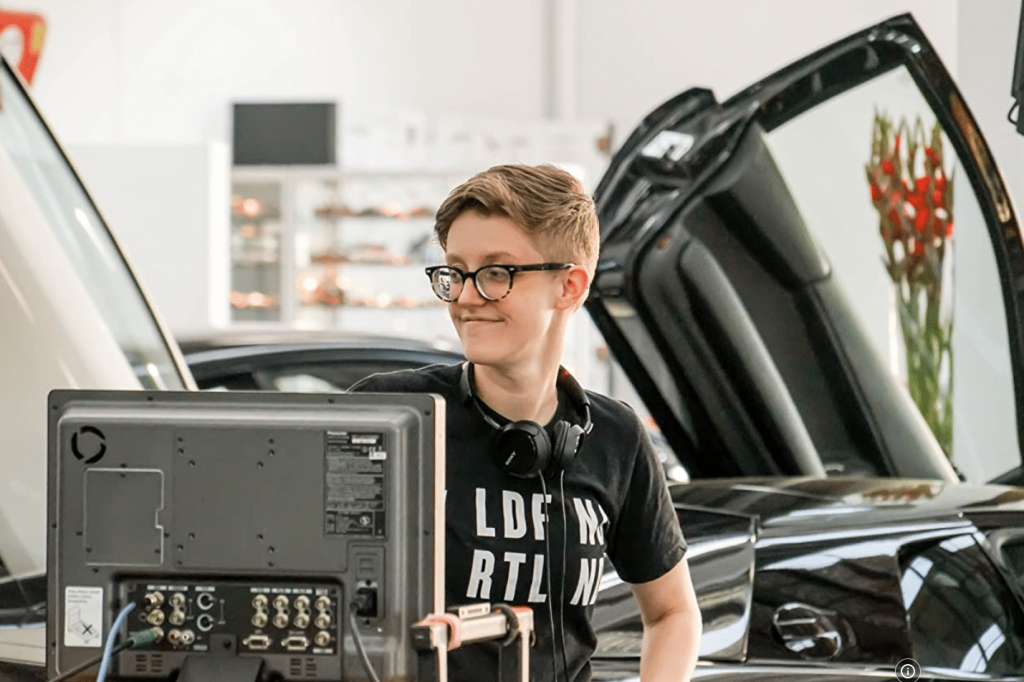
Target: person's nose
(470,295)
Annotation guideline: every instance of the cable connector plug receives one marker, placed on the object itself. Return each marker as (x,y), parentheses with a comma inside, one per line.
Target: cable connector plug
(145,637)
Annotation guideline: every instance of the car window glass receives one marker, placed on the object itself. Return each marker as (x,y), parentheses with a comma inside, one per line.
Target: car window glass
(304,383)
(961,614)
(870,199)
(84,236)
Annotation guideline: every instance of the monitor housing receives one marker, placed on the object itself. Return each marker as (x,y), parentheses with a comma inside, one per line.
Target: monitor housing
(244,525)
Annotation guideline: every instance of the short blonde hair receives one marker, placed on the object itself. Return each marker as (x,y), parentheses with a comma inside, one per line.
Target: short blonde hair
(547,202)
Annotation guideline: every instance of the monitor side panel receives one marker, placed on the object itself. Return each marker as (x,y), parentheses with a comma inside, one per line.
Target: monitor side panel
(244,493)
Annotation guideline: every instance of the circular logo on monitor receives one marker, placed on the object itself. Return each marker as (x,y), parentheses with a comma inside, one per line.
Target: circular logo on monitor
(88,444)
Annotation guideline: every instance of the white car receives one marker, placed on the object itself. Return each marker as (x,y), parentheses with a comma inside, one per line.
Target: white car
(72,315)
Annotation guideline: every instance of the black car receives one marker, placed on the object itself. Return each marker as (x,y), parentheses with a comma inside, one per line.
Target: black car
(302,362)
(799,579)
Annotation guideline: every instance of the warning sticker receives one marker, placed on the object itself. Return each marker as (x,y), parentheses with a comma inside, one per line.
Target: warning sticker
(354,483)
(83,616)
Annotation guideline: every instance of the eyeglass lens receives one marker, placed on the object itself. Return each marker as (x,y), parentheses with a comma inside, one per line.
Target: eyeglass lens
(492,282)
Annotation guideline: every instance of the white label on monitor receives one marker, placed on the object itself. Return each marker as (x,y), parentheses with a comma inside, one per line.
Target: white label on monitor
(83,616)
(377,455)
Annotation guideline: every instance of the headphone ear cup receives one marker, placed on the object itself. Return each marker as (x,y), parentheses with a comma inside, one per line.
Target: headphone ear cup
(566,439)
(523,449)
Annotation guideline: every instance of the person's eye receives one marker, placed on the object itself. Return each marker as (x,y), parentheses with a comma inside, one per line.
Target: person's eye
(496,274)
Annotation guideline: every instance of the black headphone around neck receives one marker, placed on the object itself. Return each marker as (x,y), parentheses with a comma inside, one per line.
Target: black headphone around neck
(525,449)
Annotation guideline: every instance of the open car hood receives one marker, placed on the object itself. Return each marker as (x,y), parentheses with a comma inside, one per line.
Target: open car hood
(717,298)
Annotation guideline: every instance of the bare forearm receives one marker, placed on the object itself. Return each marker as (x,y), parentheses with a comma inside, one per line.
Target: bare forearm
(670,647)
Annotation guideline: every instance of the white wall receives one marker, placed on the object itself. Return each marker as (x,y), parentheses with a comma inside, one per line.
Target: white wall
(161,72)
(167,207)
(635,54)
(985,437)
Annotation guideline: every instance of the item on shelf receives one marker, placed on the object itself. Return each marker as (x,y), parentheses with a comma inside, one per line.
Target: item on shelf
(252,208)
(324,290)
(375,254)
(333,212)
(393,210)
(252,299)
(329,257)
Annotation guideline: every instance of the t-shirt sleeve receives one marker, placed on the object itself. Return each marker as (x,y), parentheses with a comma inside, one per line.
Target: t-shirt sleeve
(647,541)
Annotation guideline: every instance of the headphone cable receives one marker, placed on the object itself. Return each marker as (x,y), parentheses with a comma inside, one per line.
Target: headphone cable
(561,598)
(547,565)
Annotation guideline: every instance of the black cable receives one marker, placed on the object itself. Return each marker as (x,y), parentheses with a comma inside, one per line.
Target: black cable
(92,662)
(561,598)
(136,640)
(1009,114)
(547,565)
(358,639)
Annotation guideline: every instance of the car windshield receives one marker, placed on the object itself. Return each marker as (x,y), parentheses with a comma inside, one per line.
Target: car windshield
(84,236)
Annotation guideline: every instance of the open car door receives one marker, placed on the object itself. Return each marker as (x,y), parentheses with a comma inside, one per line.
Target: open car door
(777,272)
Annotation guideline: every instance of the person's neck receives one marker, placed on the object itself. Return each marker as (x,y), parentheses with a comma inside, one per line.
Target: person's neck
(520,392)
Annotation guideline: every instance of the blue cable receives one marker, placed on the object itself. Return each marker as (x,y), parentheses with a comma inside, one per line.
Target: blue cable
(111,636)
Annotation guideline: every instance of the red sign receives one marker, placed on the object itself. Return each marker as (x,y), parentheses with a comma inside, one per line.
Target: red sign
(21,38)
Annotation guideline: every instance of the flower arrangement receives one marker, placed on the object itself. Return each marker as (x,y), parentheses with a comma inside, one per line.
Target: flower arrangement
(914,199)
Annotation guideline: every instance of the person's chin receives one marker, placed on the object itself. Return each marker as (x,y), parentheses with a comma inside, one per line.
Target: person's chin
(483,350)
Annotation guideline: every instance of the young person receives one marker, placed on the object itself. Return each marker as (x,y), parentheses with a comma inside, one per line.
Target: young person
(532,511)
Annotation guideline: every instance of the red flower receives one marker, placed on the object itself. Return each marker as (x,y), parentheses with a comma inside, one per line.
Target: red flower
(896,146)
(937,197)
(888,168)
(876,192)
(922,185)
(932,156)
(918,248)
(921,221)
(949,229)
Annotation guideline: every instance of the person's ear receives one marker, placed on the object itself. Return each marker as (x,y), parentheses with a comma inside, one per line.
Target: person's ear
(574,289)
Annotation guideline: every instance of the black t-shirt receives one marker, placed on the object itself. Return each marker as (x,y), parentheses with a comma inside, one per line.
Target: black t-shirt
(502,539)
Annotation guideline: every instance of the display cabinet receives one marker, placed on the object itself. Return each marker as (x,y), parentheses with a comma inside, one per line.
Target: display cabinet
(318,248)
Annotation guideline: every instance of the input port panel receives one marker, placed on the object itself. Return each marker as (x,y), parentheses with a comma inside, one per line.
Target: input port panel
(155,617)
(281,621)
(295,643)
(322,639)
(187,637)
(260,620)
(260,602)
(256,642)
(205,601)
(281,602)
(301,621)
(177,617)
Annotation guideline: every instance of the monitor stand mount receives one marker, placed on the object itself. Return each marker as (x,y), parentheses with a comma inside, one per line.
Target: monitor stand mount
(437,634)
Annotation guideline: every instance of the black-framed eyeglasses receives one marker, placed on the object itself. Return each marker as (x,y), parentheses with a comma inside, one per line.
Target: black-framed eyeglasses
(493,282)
